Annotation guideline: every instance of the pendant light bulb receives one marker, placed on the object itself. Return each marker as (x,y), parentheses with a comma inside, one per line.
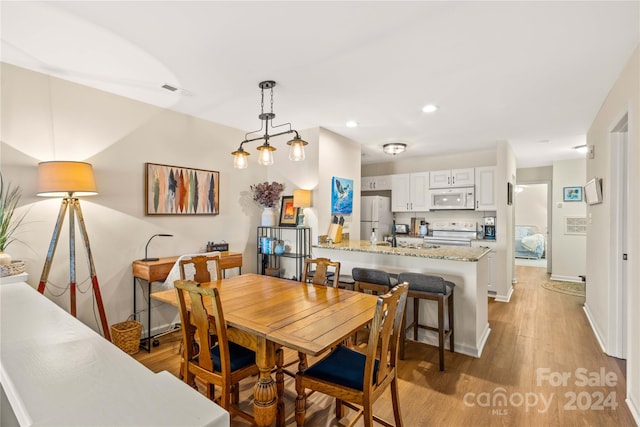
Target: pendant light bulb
(266,154)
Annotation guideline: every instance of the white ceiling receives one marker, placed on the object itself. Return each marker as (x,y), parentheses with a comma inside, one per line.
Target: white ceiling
(532,73)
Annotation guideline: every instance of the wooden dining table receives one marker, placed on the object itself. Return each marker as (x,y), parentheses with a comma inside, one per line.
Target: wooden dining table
(268,312)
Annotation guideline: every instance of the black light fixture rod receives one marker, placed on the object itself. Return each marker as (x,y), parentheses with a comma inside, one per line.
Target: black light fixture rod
(146,258)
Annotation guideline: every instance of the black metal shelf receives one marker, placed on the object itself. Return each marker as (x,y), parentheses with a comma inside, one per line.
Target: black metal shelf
(300,247)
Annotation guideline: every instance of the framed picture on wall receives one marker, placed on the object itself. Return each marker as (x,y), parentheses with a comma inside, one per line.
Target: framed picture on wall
(177,190)
(509,193)
(341,195)
(572,194)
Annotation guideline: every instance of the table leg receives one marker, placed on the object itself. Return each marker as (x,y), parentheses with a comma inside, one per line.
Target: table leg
(264,392)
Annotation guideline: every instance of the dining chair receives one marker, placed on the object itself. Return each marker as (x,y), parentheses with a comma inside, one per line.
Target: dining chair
(355,379)
(199,268)
(434,288)
(226,363)
(321,271)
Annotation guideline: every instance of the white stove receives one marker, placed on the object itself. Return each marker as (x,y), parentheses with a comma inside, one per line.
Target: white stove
(452,233)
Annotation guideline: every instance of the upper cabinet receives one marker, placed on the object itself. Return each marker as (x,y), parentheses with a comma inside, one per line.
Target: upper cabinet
(486,188)
(452,178)
(375,183)
(410,192)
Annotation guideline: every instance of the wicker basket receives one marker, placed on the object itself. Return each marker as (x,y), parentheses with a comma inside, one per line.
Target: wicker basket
(126,335)
(16,267)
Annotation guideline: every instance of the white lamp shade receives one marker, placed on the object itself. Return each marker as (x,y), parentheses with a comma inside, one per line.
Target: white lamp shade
(61,178)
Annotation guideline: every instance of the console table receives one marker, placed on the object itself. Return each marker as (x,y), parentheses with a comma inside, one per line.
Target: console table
(157,271)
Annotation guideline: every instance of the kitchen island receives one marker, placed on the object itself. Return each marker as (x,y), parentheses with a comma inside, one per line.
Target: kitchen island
(465,266)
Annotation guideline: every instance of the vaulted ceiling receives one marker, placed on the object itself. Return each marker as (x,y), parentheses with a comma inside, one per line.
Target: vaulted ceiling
(532,73)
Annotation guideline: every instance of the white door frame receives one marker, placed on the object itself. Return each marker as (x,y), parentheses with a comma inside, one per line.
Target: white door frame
(619,279)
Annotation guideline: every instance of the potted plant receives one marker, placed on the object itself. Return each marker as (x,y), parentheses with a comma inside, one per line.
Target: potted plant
(9,198)
(267,195)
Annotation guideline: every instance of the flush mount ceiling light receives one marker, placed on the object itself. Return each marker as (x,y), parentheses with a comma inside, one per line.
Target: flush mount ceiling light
(352,124)
(296,152)
(430,108)
(581,148)
(394,148)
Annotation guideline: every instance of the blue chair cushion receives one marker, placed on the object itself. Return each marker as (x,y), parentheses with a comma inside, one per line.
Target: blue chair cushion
(343,366)
(240,356)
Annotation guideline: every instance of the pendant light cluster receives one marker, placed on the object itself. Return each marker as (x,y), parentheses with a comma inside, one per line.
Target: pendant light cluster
(265,157)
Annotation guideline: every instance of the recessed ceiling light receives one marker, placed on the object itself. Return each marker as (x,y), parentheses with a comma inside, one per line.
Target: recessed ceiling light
(352,124)
(430,108)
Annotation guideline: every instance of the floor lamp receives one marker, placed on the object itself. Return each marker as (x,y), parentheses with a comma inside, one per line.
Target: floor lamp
(70,180)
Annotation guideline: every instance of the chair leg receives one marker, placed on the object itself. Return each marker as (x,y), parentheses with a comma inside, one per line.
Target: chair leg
(339,409)
(395,400)
(441,331)
(451,329)
(367,413)
(416,308)
(301,403)
(280,387)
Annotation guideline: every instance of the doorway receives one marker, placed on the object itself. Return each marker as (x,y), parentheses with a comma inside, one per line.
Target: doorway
(533,215)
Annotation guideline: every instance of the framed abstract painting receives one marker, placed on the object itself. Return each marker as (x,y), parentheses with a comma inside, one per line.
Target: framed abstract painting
(177,190)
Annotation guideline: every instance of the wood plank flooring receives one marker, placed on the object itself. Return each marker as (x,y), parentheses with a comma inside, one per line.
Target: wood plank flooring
(542,366)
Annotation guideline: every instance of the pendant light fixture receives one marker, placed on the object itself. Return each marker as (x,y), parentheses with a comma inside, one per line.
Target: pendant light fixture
(265,157)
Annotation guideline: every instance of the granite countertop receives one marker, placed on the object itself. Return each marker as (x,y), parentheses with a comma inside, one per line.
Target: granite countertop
(454,253)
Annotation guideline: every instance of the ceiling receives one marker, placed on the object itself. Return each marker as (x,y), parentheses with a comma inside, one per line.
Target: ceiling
(532,73)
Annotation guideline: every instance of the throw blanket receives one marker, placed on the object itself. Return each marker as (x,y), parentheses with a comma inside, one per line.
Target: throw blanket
(534,243)
(189,271)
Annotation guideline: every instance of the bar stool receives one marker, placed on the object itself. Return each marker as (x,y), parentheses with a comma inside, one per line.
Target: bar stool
(371,281)
(434,288)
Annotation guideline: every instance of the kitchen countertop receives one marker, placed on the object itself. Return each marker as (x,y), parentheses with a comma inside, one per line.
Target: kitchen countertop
(454,253)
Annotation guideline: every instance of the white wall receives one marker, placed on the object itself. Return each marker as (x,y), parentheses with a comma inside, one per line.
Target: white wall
(505,226)
(118,136)
(624,97)
(531,206)
(569,250)
(406,163)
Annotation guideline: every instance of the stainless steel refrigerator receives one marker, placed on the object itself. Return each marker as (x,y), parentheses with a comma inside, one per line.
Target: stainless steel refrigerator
(375,215)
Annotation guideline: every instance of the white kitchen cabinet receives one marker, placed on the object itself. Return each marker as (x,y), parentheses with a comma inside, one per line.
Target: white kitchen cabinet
(452,178)
(486,188)
(410,192)
(375,183)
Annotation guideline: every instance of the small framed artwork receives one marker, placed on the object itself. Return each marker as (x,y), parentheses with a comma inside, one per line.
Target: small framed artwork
(177,190)
(288,213)
(509,193)
(572,194)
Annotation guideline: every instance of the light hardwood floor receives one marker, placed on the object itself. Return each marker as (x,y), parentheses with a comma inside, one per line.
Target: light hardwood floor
(542,366)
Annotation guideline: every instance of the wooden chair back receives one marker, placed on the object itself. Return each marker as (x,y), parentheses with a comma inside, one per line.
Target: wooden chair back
(357,382)
(321,275)
(201,325)
(384,337)
(203,265)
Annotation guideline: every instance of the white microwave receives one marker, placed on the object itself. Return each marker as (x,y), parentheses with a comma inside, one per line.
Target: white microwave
(452,198)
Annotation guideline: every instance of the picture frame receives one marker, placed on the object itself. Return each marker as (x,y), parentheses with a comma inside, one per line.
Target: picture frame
(572,194)
(509,193)
(341,196)
(288,213)
(178,190)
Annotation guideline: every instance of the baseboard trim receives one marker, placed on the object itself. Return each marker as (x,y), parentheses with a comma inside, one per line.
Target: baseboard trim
(594,328)
(633,409)
(504,298)
(576,279)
